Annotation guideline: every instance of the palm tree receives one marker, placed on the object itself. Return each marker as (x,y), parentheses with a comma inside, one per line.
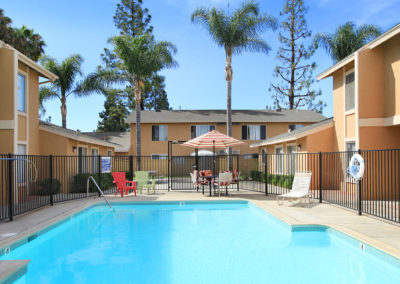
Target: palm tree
(235,32)
(5,28)
(28,42)
(346,39)
(137,59)
(65,85)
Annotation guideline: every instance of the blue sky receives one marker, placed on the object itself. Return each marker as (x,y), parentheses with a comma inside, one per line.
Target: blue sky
(83,26)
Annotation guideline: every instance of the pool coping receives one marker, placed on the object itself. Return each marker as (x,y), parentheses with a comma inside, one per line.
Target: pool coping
(389,253)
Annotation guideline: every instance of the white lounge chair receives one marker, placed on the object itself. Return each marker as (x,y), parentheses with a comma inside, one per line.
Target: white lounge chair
(300,188)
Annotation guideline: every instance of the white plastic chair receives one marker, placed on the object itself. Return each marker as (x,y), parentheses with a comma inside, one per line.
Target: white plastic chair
(300,188)
(224,179)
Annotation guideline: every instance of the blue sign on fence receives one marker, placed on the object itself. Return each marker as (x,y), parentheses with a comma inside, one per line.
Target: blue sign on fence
(106,164)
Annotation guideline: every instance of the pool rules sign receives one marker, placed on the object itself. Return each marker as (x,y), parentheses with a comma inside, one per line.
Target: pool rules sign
(106,164)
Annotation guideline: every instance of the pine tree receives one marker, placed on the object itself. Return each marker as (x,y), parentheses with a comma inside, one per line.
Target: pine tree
(296,72)
(114,114)
(131,19)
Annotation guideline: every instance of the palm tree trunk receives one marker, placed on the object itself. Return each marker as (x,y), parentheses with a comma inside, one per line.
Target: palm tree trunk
(138,125)
(64,112)
(229,77)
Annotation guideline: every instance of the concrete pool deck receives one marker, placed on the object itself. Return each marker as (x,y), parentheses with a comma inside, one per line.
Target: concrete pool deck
(376,232)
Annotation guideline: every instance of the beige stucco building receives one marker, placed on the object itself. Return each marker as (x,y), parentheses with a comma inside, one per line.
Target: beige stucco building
(21,131)
(159,127)
(366,104)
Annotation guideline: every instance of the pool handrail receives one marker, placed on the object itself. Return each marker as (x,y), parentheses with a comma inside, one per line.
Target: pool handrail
(98,188)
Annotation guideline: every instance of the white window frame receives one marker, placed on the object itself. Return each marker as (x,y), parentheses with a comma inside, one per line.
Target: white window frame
(163,125)
(353,110)
(161,156)
(248,132)
(296,126)
(249,156)
(23,112)
(209,125)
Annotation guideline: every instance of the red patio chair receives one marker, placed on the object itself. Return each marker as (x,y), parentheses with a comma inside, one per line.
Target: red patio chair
(122,183)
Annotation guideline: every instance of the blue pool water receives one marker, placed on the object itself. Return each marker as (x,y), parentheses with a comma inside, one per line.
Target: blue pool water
(220,242)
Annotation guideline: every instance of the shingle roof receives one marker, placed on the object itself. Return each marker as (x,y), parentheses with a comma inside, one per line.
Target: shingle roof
(215,116)
(295,134)
(123,139)
(69,133)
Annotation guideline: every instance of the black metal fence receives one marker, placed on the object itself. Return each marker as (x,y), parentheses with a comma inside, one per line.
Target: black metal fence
(30,182)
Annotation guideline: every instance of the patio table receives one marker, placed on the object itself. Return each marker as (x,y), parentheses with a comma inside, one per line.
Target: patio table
(210,180)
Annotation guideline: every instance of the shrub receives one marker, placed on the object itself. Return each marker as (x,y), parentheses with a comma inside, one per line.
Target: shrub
(80,182)
(46,189)
(243,177)
(255,175)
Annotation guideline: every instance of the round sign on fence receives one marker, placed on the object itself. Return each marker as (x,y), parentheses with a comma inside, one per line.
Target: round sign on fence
(356,167)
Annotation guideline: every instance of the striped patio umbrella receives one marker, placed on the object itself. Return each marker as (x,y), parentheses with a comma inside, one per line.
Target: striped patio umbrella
(212,139)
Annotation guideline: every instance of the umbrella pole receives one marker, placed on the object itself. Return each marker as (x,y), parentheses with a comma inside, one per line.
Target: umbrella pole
(214,157)
(196,151)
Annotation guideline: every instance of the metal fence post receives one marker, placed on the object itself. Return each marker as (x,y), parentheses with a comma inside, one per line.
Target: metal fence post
(51,178)
(266,172)
(99,171)
(320,177)
(238,172)
(359,192)
(131,167)
(10,186)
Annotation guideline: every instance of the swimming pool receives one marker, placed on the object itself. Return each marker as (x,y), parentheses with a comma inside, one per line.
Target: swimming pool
(196,242)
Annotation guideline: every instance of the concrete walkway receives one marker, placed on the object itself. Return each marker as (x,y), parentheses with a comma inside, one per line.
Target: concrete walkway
(375,232)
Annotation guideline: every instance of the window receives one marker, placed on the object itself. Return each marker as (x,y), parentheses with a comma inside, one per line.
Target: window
(159,157)
(159,133)
(109,153)
(223,152)
(197,130)
(254,132)
(95,160)
(250,156)
(82,160)
(349,92)
(22,171)
(21,93)
(295,126)
(279,159)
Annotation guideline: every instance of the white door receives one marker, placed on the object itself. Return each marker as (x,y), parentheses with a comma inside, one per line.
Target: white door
(291,159)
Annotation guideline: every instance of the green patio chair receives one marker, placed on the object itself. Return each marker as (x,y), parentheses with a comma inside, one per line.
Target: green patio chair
(142,178)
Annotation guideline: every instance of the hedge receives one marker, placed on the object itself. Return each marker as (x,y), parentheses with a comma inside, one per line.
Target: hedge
(80,182)
(46,189)
(285,181)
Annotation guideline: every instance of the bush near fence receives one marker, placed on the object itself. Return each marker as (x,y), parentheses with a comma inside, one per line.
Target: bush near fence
(80,182)
(284,181)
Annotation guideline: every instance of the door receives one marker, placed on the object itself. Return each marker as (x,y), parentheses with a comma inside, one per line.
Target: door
(279,159)
(82,160)
(291,159)
(95,160)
